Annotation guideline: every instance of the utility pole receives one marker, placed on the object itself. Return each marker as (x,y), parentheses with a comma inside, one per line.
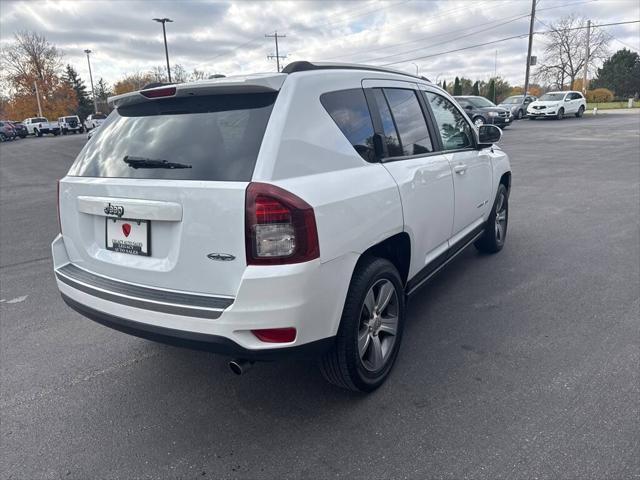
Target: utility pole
(93,92)
(277,56)
(35,86)
(495,75)
(533,18)
(164,34)
(586,60)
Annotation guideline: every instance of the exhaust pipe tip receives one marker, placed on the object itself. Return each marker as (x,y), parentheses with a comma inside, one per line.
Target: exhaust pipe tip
(240,366)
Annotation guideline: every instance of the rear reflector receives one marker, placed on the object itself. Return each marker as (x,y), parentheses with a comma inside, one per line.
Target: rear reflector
(159,92)
(275,335)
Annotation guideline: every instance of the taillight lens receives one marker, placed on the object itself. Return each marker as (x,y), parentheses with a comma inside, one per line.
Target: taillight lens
(280,227)
(58,205)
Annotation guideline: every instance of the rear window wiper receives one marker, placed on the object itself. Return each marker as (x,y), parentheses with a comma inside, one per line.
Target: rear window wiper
(141,162)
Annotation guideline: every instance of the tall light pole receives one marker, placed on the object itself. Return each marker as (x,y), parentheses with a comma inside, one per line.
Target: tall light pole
(164,33)
(93,92)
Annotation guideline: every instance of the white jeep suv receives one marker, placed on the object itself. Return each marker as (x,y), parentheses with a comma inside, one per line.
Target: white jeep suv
(557,105)
(269,215)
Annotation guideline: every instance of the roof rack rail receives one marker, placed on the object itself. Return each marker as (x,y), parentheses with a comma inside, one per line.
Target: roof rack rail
(304,66)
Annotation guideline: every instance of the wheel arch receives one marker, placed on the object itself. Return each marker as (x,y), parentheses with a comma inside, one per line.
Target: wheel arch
(396,249)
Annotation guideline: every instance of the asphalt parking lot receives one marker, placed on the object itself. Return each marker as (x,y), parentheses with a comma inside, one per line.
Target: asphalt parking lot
(518,365)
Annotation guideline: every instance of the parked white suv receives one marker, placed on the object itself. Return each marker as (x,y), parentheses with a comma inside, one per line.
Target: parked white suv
(557,105)
(94,121)
(277,214)
(70,124)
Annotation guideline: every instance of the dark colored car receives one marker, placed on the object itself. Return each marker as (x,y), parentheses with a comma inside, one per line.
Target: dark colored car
(7,132)
(518,104)
(20,129)
(481,111)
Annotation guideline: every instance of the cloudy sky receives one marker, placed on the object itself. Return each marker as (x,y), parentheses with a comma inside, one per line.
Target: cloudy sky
(228,37)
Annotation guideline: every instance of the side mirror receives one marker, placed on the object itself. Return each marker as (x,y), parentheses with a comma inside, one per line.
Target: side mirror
(567,99)
(489,134)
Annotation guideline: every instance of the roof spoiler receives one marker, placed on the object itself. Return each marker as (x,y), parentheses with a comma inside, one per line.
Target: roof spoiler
(260,83)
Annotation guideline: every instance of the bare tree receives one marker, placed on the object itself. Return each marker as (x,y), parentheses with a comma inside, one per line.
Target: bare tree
(30,58)
(565,51)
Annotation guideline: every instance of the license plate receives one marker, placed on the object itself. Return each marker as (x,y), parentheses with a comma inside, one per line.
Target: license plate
(128,236)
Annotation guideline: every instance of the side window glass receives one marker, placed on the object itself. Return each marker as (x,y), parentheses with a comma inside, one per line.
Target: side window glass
(412,128)
(455,131)
(349,109)
(390,134)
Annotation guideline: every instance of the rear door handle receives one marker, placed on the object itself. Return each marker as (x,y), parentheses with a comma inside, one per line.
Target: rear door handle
(460,169)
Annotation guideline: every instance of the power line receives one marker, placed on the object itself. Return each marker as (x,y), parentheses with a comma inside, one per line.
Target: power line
(453,31)
(443,14)
(447,41)
(500,40)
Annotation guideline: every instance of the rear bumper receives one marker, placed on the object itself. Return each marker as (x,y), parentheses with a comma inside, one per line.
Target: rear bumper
(197,341)
(308,297)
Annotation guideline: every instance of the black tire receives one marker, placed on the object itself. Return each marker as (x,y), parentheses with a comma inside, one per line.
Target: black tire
(560,114)
(81,130)
(342,365)
(3,137)
(520,114)
(64,131)
(55,134)
(37,132)
(580,111)
(493,238)
(532,118)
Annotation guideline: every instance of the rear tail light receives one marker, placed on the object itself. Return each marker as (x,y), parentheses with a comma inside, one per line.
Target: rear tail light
(275,335)
(58,205)
(280,227)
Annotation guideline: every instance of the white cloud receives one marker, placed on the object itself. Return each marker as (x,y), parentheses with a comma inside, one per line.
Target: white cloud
(228,37)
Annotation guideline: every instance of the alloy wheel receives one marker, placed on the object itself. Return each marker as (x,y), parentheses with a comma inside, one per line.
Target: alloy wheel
(378,325)
(501,219)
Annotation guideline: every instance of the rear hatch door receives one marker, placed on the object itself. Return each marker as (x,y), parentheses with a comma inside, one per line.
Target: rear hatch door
(156,197)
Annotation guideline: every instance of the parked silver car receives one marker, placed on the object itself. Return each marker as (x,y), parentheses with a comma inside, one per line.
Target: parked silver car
(517,105)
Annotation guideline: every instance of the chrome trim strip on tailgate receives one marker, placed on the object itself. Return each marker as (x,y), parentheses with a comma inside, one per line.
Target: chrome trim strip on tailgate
(133,208)
(148,298)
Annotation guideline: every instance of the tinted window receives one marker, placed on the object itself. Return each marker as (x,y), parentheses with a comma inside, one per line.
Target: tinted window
(219,136)
(455,131)
(38,120)
(388,126)
(99,116)
(410,123)
(349,110)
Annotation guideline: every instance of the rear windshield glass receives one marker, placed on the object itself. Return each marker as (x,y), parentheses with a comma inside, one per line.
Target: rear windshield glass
(70,119)
(194,138)
(38,120)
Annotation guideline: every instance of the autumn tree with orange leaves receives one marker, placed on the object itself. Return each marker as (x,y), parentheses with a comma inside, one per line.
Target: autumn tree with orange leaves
(30,59)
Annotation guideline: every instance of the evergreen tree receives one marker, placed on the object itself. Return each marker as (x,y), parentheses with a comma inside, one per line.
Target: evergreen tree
(444,85)
(75,82)
(620,73)
(103,92)
(491,93)
(457,88)
(476,89)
